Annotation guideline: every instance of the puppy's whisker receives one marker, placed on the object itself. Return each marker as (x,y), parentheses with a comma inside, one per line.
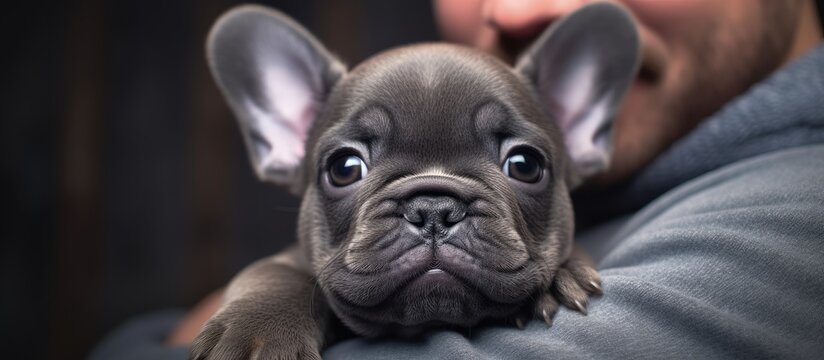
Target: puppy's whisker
(317,283)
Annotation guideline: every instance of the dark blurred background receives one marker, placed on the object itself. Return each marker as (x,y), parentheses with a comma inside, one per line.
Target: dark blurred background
(125,184)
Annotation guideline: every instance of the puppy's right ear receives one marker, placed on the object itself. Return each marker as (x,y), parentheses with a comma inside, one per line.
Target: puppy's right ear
(275,77)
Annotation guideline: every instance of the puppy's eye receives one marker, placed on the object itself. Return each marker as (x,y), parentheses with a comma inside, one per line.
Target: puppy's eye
(523,166)
(347,170)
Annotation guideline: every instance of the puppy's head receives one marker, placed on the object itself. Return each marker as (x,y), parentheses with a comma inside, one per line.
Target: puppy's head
(435,178)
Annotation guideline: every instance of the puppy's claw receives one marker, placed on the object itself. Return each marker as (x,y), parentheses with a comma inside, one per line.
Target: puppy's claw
(519,323)
(547,318)
(595,287)
(580,306)
(545,307)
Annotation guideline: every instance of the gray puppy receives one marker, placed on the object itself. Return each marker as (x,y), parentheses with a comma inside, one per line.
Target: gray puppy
(435,178)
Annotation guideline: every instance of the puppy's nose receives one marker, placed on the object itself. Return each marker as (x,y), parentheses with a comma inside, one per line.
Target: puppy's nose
(434,214)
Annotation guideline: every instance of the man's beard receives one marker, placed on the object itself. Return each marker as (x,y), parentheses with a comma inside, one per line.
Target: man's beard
(740,58)
(716,71)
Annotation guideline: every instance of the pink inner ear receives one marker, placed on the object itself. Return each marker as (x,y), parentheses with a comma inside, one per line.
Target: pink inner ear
(589,152)
(581,114)
(286,123)
(573,91)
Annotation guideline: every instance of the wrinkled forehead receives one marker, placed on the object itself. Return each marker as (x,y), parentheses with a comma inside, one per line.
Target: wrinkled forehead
(437,100)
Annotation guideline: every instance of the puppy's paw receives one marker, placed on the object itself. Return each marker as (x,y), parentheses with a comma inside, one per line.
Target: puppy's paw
(242,332)
(575,281)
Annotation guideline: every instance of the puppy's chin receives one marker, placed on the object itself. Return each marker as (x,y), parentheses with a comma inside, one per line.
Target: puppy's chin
(435,298)
(446,282)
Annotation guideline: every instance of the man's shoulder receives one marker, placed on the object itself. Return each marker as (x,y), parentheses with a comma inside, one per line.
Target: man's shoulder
(729,252)
(772,198)
(786,184)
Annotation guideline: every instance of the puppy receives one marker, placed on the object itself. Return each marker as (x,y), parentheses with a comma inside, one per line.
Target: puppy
(435,179)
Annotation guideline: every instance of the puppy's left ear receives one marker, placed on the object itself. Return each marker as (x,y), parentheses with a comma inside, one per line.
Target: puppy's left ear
(276,77)
(581,67)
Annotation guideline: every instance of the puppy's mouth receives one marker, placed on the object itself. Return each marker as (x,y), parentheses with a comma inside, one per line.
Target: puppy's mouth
(432,278)
(431,284)
(435,279)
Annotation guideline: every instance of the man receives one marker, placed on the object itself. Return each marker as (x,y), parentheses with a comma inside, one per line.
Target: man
(708,228)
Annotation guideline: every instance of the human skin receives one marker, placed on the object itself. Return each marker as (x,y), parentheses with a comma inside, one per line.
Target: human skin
(696,56)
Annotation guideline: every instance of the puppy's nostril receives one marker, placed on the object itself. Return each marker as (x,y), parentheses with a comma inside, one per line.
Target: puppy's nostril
(453,217)
(414,218)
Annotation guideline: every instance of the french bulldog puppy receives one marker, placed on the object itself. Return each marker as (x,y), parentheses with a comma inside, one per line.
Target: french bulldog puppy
(435,179)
